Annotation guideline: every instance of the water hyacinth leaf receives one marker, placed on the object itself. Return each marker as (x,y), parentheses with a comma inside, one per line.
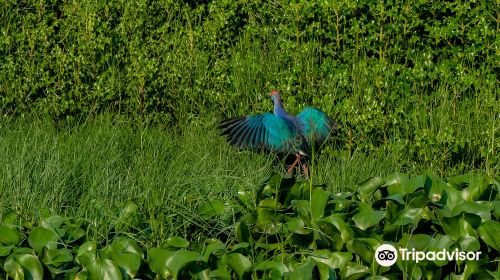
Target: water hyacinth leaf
(273,268)
(42,237)
(220,274)
(8,218)
(53,222)
(338,221)
(243,232)
(238,263)
(482,210)
(326,272)
(175,242)
(211,209)
(23,266)
(73,233)
(297,225)
(57,257)
(9,235)
(246,200)
(408,216)
(352,271)
(157,260)
(469,244)
(454,197)
(395,182)
(180,259)
(5,250)
(489,232)
(87,253)
(318,203)
(368,186)
(363,247)
(301,270)
(213,248)
(335,260)
(103,269)
(126,254)
(269,204)
(495,205)
(367,217)
(413,184)
(240,247)
(434,186)
(419,242)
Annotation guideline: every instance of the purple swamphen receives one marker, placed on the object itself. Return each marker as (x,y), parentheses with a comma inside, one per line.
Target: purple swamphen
(280,131)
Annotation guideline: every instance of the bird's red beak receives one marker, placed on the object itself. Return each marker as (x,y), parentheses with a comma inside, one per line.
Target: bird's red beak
(273,92)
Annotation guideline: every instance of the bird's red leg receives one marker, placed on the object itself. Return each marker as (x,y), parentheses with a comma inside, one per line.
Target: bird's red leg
(297,159)
(305,168)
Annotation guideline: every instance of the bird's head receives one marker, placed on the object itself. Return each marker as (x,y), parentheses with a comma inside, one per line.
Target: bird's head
(275,95)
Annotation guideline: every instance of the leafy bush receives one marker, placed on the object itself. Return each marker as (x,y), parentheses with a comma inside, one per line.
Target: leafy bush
(287,229)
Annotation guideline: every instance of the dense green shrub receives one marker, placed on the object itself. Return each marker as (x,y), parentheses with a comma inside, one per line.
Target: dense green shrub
(419,74)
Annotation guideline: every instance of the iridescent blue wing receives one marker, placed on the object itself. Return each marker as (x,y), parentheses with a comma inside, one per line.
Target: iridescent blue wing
(316,125)
(265,131)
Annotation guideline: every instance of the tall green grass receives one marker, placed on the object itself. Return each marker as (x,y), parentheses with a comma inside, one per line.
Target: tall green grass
(93,169)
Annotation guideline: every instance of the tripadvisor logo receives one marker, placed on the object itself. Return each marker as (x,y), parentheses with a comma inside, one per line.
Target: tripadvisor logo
(387,255)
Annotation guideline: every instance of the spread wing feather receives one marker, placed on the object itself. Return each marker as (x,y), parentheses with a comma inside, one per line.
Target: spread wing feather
(260,131)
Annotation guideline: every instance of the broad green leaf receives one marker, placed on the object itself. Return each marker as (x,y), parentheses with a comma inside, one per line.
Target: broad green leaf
(367,217)
(339,223)
(57,257)
(103,269)
(482,210)
(126,254)
(297,225)
(9,235)
(319,201)
(42,237)
(220,273)
(353,271)
(211,209)
(409,216)
(273,268)
(363,247)
(157,260)
(370,185)
(335,260)
(269,204)
(301,270)
(213,248)
(23,266)
(237,262)
(180,259)
(240,247)
(73,233)
(175,242)
(87,253)
(9,218)
(245,198)
(395,182)
(5,250)
(489,232)
(326,272)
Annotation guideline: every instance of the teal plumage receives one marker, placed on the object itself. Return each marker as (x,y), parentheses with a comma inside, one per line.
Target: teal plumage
(280,131)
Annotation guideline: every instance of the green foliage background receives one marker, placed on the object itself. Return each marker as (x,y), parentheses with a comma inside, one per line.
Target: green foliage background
(419,75)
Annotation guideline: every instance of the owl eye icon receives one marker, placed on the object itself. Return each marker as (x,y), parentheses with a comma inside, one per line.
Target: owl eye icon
(386,255)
